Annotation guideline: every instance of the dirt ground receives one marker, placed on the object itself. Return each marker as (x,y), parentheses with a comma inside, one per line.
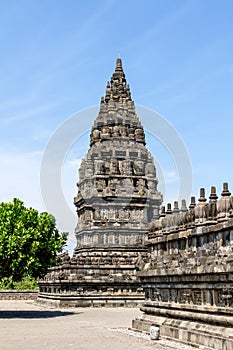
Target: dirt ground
(27,326)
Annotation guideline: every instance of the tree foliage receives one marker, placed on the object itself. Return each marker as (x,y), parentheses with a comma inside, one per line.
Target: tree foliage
(27,282)
(29,241)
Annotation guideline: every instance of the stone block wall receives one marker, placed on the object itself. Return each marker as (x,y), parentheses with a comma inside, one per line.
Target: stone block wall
(18,294)
(188,274)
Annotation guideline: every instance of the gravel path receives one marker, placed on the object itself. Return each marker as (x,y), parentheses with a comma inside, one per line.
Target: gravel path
(27,326)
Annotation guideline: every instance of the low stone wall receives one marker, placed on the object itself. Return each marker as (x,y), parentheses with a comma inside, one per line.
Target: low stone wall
(197,334)
(18,294)
(90,300)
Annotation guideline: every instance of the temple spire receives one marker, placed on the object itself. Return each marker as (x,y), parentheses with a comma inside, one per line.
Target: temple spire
(117,117)
(117,88)
(119,65)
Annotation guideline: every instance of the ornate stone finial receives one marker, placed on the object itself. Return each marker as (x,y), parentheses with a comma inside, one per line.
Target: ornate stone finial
(225,191)
(213,195)
(108,92)
(183,205)
(224,204)
(202,195)
(162,213)
(119,65)
(111,104)
(199,211)
(169,208)
(211,208)
(192,203)
(102,106)
(176,207)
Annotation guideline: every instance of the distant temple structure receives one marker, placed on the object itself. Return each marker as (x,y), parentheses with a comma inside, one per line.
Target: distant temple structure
(117,198)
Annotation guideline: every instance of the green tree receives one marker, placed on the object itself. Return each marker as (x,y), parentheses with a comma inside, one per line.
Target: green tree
(29,241)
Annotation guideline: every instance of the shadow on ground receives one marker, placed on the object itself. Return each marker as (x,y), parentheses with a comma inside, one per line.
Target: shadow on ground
(34,314)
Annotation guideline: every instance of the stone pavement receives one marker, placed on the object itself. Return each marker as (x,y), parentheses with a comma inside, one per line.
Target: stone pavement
(25,325)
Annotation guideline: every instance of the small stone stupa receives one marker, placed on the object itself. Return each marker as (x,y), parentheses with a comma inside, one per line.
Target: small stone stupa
(117,198)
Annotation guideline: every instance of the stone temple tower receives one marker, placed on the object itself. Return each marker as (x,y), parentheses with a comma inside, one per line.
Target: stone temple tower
(117,198)
(117,188)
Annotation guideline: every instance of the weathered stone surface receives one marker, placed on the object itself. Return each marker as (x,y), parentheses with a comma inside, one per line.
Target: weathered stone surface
(184,262)
(188,273)
(18,294)
(117,198)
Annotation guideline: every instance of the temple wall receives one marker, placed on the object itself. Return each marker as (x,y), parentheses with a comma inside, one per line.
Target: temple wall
(108,237)
(18,294)
(188,274)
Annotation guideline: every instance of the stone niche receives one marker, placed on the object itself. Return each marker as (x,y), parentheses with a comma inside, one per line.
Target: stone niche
(188,273)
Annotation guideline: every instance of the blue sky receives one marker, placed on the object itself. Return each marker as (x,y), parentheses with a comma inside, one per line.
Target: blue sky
(56,57)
